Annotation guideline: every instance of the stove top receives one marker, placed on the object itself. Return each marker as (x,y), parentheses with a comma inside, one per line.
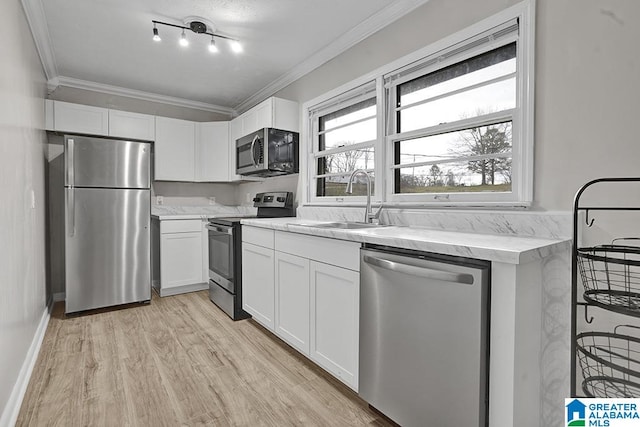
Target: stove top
(276,204)
(230,220)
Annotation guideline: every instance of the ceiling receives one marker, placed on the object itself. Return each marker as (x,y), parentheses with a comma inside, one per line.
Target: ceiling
(107,45)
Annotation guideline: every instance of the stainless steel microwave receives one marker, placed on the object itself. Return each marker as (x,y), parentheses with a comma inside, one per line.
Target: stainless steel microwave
(267,152)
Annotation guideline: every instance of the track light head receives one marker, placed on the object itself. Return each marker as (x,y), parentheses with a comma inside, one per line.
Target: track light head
(156,36)
(236,46)
(212,46)
(183,40)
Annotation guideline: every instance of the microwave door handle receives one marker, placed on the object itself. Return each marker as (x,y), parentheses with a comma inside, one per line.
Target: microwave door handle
(253,157)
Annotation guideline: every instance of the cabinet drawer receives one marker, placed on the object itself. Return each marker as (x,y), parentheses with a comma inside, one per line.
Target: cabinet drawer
(258,236)
(180,226)
(329,251)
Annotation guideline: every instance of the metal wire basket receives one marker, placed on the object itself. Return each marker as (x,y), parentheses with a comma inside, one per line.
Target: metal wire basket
(611,276)
(610,364)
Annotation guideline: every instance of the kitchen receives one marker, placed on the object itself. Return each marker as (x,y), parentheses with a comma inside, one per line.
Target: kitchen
(582,131)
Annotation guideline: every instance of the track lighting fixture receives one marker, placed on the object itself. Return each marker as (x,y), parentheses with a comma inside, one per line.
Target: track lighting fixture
(197,27)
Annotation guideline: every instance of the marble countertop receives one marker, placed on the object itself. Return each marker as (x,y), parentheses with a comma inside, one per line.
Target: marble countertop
(166,212)
(505,248)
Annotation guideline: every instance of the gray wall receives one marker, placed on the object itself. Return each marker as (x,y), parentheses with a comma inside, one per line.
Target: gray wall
(587,91)
(22,170)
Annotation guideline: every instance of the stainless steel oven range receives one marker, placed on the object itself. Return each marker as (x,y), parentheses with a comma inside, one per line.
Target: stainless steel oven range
(225,251)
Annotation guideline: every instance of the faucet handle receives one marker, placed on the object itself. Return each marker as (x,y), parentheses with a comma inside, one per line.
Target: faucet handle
(374,218)
(377,214)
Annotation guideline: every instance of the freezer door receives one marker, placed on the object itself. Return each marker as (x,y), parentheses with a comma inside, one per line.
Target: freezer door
(107,247)
(111,163)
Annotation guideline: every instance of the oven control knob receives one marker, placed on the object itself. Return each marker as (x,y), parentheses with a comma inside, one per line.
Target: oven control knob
(256,199)
(280,199)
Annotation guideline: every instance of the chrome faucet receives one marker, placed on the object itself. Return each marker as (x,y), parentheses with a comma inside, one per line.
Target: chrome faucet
(369,216)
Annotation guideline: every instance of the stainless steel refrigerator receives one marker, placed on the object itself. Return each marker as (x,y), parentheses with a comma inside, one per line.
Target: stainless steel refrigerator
(107,222)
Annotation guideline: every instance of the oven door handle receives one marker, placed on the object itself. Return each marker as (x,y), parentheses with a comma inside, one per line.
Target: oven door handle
(220,229)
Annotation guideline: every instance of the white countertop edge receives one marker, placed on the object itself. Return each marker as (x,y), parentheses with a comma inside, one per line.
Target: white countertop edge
(498,248)
(203,216)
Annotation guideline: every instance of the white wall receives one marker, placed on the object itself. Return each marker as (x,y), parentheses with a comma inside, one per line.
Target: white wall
(587,90)
(23,291)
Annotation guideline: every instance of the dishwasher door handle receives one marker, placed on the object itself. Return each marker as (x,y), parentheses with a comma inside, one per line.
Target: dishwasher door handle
(427,273)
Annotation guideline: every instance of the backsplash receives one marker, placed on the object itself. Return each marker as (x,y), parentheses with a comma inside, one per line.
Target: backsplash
(555,225)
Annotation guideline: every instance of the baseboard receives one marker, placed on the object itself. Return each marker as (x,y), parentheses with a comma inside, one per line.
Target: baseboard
(167,292)
(59,296)
(12,408)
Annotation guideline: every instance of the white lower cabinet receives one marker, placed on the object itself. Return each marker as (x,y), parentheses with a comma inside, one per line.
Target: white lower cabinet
(292,300)
(306,290)
(258,283)
(334,328)
(179,257)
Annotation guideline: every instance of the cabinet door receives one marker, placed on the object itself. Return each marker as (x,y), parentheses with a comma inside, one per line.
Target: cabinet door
(258,283)
(204,233)
(174,150)
(124,124)
(286,115)
(212,152)
(292,300)
(235,132)
(180,259)
(264,114)
(335,294)
(79,118)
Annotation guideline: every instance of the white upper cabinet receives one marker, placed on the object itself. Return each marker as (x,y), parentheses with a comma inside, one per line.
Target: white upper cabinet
(272,113)
(257,118)
(212,151)
(76,118)
(235,132)
(174,150)
(85,119)
(189,151)
(124,124)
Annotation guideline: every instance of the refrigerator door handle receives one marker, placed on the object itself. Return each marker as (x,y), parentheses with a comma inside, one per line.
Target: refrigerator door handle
(70,165)
(71,211)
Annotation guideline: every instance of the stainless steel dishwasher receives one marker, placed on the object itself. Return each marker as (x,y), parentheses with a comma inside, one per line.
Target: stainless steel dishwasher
(424,337)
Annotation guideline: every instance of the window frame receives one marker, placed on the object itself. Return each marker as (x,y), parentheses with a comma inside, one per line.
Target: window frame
(522,118)
(369,89)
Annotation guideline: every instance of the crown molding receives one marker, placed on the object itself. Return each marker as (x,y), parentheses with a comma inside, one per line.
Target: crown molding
(137,94)
(374,23)
(34,12)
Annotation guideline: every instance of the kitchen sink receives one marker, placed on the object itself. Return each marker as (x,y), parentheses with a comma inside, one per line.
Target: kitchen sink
(345,225)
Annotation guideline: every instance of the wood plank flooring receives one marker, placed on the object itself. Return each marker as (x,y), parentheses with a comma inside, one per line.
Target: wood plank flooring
(179,361)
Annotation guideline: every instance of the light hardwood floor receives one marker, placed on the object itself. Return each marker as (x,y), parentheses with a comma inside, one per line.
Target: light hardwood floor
(179,361)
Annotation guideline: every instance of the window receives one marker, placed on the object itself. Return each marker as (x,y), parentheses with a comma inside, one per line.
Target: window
(345,131)
(449,125)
